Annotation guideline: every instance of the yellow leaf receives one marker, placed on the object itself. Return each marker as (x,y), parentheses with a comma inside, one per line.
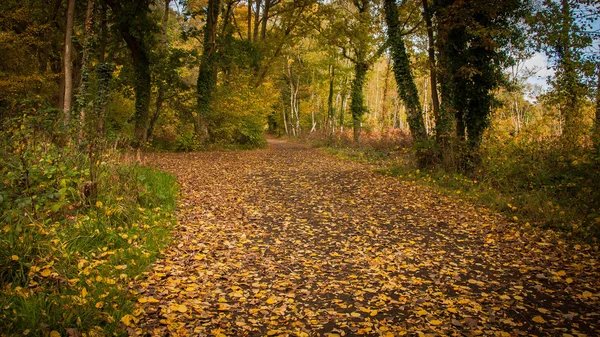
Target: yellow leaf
(569,280)
(452,310)
(271,300)
(539,319)
(181,308)
(14,258)
(100,305)
(54,333)
(152,300)
(127,320)
(435,322)
(271,332)
(389,334)
(543,311)
(422,312)
(505,297)
(84,292)
(46,272)
(561,273)
(355,314)
(587,294)
(373,313)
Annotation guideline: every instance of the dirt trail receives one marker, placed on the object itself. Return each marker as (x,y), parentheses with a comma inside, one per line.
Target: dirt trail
(288,241)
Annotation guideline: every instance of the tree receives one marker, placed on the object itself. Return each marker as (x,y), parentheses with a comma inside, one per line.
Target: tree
(360,45)
(68,66)
(469,40)
(561,34)
(207,75)
(407,88)
(135,28)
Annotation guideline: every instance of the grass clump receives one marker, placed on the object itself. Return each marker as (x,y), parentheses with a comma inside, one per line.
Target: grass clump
(76,229)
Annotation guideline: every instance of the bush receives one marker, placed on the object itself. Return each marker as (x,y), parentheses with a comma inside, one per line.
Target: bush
(75,232)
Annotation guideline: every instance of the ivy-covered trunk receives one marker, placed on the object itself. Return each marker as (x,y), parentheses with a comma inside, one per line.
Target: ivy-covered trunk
(596,134)
(141,86)
(330,111)
(568,80)
(357,105)
(128,13)
(407,89)
(207,75)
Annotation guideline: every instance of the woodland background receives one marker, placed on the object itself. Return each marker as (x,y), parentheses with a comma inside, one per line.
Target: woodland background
(435,91)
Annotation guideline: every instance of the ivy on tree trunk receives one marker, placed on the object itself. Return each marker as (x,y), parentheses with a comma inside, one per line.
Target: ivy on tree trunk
(207,75)
(407,89)
(357,105)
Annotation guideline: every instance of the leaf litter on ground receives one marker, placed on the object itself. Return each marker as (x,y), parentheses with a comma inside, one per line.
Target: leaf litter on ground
(288,241)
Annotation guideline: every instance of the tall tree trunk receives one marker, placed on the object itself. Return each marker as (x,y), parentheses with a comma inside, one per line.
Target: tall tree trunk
(141,68)
(330,111)
(165,25)
(596,134)
(249,20)
(85,73)
(407,89)
(68,66)
(265,19)
(207,76)
(384,107)
(142,86)
(357,105)
(103,73)
(256,20)
(160,97)
(435,103)
(568,79)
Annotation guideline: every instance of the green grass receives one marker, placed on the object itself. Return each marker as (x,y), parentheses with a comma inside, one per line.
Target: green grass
(70,268)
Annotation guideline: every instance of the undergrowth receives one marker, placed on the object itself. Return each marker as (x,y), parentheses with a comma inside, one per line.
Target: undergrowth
(74,232)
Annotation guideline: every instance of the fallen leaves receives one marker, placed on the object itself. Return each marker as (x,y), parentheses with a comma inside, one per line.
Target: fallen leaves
(291,242)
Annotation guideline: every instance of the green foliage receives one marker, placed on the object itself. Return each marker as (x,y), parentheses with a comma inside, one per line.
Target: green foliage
(470,35)
(240,112)
(69,245)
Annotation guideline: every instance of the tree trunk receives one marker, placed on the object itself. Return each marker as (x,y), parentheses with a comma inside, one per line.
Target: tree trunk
(84,86)
(256,21)
(435,103)
(384,107)
(330,111)
(357,105)
(207,75)
(141,68)
(103,73)
(407,89)
(249,20)
(596,134)
(160,97)
(165,24)
(568,79)
(68,66)
(265,19)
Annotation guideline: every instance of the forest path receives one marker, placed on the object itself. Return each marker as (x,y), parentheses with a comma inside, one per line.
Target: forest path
(290,241)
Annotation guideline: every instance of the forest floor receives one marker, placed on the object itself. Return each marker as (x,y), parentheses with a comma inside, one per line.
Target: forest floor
(289,241)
